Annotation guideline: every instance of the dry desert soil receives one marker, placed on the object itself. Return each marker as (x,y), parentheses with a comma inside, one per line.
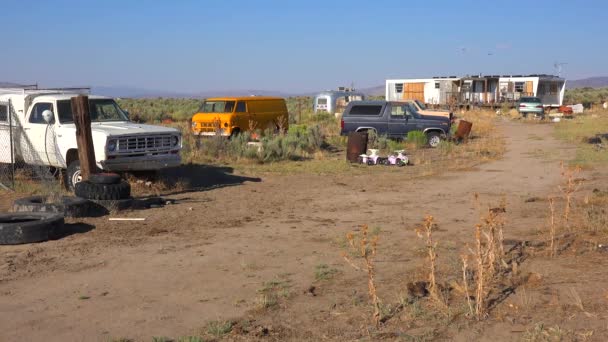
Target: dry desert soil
(265,255)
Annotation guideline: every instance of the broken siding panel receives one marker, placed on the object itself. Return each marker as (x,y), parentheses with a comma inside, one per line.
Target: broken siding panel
(529,90)
(414,91)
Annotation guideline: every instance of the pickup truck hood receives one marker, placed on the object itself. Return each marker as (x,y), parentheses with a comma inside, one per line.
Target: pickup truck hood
(126,128)
(427,112)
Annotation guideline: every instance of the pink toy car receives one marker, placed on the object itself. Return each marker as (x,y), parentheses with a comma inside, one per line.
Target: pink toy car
(400,159)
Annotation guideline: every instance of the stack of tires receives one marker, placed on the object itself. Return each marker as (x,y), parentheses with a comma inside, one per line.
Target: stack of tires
(103,187)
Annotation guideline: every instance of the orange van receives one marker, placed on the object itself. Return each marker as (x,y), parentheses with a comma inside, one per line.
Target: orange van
(230,115)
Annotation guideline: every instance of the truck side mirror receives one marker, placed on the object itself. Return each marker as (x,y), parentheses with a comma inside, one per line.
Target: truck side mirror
(47,115)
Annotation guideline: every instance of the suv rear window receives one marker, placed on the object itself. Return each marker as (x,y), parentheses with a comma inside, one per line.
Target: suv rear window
(365,110)
(530,99)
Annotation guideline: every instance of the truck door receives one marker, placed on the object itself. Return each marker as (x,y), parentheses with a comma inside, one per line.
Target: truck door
(5,134)
(38,141)
(399,120)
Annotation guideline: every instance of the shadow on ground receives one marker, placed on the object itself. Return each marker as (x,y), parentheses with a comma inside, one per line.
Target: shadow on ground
(70,229)
(192,177)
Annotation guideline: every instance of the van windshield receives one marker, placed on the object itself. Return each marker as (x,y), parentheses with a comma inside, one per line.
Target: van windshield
(100,110)
(217,107)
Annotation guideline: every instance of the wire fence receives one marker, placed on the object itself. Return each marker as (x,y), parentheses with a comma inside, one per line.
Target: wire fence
(29,156)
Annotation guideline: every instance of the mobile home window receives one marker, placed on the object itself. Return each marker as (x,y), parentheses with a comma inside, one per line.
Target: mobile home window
(399,87)
(3,113)
(519,87)
(437,85)
(365,110)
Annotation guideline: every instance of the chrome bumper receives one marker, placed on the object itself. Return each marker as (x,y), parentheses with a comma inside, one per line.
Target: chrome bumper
(141,163)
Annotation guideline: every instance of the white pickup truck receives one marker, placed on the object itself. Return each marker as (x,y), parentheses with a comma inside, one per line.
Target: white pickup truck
(43,133)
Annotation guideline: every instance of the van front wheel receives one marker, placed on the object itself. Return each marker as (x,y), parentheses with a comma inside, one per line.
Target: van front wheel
(234,133)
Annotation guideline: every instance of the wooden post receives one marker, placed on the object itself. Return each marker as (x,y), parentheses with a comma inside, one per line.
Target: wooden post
(84,138)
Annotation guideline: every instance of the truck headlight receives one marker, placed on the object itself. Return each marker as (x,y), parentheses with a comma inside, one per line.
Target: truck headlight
(111,145)
(175,140)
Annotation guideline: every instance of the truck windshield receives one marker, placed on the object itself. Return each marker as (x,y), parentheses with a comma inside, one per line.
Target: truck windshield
(421,105)
(411,110)
(101,110)
(217,107)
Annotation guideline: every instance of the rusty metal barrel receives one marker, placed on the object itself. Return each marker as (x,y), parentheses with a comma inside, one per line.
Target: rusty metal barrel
(464,129)
(357,145)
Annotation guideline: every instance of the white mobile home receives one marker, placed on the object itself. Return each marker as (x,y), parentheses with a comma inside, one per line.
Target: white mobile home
(478,90)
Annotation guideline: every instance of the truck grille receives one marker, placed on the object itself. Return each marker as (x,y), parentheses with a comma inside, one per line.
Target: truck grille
(144,144)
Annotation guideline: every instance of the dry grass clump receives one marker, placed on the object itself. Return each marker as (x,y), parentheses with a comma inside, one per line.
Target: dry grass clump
(570,186)
(552,226)
(366,249)
(488,257)
(426,232)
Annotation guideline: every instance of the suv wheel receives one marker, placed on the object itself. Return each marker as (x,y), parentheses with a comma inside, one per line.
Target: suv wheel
(433,138)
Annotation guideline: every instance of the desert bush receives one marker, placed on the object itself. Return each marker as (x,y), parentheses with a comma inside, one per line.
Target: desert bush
(365,247)
(445,147)
(157,109)
(586,95)
(381,142)
(418,138)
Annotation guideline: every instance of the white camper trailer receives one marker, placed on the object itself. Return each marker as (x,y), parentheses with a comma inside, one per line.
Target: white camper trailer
(334,101)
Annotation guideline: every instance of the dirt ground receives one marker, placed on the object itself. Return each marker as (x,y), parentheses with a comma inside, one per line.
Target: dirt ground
(210,255)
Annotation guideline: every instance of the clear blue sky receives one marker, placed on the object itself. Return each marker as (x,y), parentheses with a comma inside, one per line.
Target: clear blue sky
(294,46)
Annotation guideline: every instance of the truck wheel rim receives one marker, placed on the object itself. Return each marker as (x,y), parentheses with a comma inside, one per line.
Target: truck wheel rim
(434,141)
(76,177)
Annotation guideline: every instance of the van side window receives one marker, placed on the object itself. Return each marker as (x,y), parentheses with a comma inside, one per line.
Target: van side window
(36,113)
(365,110)
(241,107)
(3,113)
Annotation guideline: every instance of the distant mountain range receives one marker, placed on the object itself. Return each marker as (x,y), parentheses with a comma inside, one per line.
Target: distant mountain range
(148,93)
(592,82)
(134,92)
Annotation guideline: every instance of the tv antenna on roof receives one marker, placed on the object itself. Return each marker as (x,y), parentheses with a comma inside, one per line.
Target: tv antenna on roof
(558,67)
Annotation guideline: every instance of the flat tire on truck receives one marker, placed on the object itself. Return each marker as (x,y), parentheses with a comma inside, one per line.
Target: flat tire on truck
(103,192)
(27,227)
(105,178)
(66,205)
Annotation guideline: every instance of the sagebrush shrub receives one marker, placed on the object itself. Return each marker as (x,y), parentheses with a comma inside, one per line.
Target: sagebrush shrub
(418,138)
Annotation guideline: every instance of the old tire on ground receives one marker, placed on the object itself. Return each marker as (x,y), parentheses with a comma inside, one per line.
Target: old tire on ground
(104,192)
(433,139)
(28,227)
(66,206)
(105,178)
